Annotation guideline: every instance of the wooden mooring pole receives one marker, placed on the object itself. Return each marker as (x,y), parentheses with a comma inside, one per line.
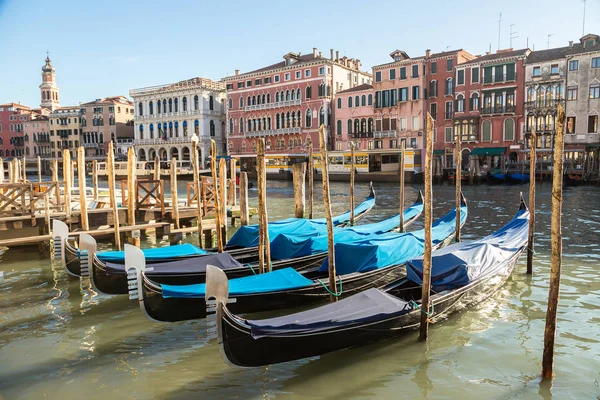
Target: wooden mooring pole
(1,170)
(352,177)
(223,198)
(39,168)
(458,182)
(67,179)
(310,168)
(264,244)
(556,238)
(299,178)
(402,150)
(156,168)
(131,194)
(95,178)
(243,198)
(213,167)
(196,177)
(530,246)
(174,202)
(333,294)
(233,184)
(426,288)
(110,164)
(55,179)
(85,224)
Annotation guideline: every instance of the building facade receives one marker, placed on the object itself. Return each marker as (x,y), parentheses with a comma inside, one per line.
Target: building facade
(37,136)
(285,103)
(64,124)
(13,116)
(167,116)
(104,120)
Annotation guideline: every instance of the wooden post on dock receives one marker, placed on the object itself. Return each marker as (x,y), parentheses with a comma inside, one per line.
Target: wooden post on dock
(131,193)
(233,175)
(213,167)
(556,238)
(458,182)
(156,168)
(310,168)
(95,178)
(39,168)
(243,198)
(264,244)
(471,170)
(67,179)
(10,172)
(333,294)
(174,202)
(402,159)
(299,177)
(110,165)
(24,169)
(1,171)
(55,179)
(85,224)
(532,160)
(72,173)
(426,287)
(352,177)
(223,198)
(196,177)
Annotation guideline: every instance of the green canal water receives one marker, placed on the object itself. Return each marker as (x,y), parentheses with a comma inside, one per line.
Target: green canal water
(60,342)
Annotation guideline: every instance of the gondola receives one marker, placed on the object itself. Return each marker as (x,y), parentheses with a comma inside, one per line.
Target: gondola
(463,275)
(517,177)
(110,278)
(287,287)
(242,245)
(495,177)
(574,179)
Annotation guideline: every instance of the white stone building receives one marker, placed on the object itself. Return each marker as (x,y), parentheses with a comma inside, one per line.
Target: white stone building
(167,116)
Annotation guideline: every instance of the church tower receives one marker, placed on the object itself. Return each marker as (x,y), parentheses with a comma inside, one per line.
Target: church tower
(49,88)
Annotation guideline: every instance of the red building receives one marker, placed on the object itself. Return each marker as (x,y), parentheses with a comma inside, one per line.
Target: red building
(285,103)
(487,110)
(12,118)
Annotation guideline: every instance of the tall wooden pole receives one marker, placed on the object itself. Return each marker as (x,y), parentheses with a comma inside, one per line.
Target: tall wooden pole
(223,197)
(39,168)
(556,237)
(264,246)
(213,167)
(425,302)
(156,168)
(55,179)
(310,168)
(458,182)
(174,202)
(10,172)
(95,178)
(67,178)
(24,169)
(299,180)
(1,170)
(352,172)
(233,175)
(85,224)
(196,175)
(243,198)
(131,191)
(110,164)
(532,159)
(327,202)
(402,159)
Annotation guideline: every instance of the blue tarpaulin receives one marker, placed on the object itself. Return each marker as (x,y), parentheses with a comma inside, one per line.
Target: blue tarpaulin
(247,236)
(390,248)
(282,279)
(457,265)
(285,246)
(155,254)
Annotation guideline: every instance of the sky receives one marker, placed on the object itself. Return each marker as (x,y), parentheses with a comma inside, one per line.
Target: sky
(105,48)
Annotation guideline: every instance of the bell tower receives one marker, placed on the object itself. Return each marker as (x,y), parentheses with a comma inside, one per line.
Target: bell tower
(49,88)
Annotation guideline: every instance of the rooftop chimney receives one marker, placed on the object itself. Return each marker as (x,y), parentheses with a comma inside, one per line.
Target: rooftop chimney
(358,64)
(331,54)
(314,51)
(320,54)
(237,71)
(427,53)
(337,55)
(570,43)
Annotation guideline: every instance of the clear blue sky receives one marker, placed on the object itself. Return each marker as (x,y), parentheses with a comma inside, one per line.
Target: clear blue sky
(107,47)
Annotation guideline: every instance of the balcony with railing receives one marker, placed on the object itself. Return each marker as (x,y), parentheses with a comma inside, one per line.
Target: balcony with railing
(385,134)
(361,135)
(267,106)
(498,110)
(541,129)
(91,145)
(489,80)
(177,114)
(159,141)
(543,104)
(269,132)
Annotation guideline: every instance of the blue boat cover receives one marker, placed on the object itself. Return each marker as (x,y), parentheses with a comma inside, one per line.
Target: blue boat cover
(390,248)
(292,245)
(519,176)
(247,236)
(155,254)
(457,265)
(193,265)
(498,176)
(364,307)
(282,279)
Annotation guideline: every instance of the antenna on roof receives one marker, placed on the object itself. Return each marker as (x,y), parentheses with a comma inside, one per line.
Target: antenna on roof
(583,27)
(499,26)
(512,35)
(549,35)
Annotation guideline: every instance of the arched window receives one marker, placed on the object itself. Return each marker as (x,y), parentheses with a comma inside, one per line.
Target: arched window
(356,125)
(268,97)
(339,102)
(196,127)
(370,100)
(151,108)
(308,118)
(509,129)
(287,95)
(249,125)
(321,116)
(298,94)
(277,97)
(212,128)
(176,104)
(363,125)
(196,102)
(184,103)
(356,101)
(299,118)
(269,122)
(164,106)
(449,89)
(140,109)
(230,103)
(308,92)
(474,106)
(253,100)
(249,101)
(241,124)
(486,131)
(230,125)
(170,105)
(363,100)
(370,125)
(288,121)
(460,103)
(350,102)
(339,127)
(211,103)
(293,95)
(241,102)
(349,126)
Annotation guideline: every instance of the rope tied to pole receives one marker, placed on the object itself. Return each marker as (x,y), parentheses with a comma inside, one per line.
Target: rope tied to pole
(429,314)
(330,292)
(251,269)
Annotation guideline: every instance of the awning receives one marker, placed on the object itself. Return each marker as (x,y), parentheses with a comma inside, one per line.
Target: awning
(488,151)
(438,152)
